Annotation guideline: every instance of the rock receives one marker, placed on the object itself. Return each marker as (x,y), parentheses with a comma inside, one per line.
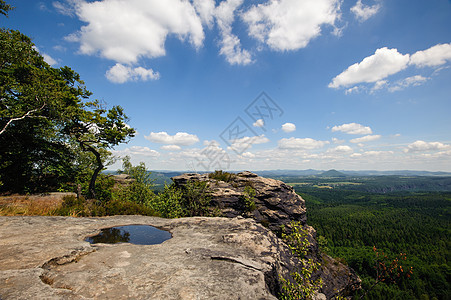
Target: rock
(276,203)
(122,180)
(207,258)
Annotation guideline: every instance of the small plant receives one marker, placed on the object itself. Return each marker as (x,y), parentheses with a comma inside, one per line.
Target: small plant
(302,285)
(247,198)
(222,176)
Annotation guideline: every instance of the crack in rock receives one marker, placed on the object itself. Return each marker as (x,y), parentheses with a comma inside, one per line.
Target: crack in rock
(245,262)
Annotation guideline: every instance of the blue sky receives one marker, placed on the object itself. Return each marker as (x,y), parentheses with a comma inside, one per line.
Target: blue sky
(288,84)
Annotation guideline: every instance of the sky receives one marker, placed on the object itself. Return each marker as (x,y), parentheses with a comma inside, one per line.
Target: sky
(261,84)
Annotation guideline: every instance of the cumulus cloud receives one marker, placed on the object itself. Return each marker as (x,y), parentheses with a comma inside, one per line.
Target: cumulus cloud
(301,144)
(381,64)
(290,24)
(406,82)
(240,145)
(363,12)
(340,149)
(366,138)
(288,127)
(171,147)
(259,123)
(230,43)
(125,30)
(206,10)
(385,62)
(420,146)
(137,150)
(353,128)
(432,57)
(179,139)
(121,74)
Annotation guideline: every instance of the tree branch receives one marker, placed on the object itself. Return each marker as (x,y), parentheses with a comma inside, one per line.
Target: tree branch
(28,114)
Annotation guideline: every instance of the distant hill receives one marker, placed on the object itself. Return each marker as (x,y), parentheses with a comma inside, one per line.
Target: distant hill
(332,173)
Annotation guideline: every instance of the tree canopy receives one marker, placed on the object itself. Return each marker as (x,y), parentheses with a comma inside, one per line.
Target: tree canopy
(47,120)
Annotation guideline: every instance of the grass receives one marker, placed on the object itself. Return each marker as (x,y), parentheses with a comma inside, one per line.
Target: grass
(30,205)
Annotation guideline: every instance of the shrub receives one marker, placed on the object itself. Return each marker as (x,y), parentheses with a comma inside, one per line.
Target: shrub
(168,203)
(196,199)
(222,176)
(302,285)
(247,198)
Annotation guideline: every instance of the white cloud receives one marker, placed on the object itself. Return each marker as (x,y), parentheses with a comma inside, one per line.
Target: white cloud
(301,144)
(420,146)
(248,155)
(65,8)
(179,139)
(126,30)
(290,24)
(432,57)
(337,141)
(363,12)
(121,74)
(366,138)
(409,81)
(340,149)
(379,85)
(230,43)
(240,145)
(206,11)
(288,127)
(352,128)
(171,147)
(381,64)
(137,150)
(50,60)
(259,123)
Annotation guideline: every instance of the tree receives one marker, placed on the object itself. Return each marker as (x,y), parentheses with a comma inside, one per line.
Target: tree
(95,128)
(4,8)
(43,111)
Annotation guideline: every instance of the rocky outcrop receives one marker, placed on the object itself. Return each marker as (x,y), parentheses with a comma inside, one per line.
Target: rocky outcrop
(206,258)
(276,203)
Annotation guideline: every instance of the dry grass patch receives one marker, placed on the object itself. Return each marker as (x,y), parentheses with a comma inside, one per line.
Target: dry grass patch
(31,205)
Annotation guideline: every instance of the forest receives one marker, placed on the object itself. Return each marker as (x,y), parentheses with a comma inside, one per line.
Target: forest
(352,223)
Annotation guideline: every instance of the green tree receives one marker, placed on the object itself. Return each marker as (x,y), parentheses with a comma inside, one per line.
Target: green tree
(43,112)
(95,128)
(4,8)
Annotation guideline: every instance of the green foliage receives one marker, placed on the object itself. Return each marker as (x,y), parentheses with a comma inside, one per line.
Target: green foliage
(4,8)
(44,113)
(353,222)
(222,176)
(196,199)
(247,198)
(302,285)
(168,203)
(140,190)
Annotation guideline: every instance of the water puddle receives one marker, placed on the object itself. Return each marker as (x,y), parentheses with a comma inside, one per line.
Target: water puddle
(133,234)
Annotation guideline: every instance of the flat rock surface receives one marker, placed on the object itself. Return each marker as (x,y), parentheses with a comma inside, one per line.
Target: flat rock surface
(206,258)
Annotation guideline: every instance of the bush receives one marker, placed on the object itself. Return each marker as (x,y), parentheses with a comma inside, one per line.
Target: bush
(135,192)
(168,203)
(196,199)
(222,176)
(247,198)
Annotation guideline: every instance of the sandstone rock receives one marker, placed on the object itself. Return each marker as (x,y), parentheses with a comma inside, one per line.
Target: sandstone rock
(206,258)
(276,203)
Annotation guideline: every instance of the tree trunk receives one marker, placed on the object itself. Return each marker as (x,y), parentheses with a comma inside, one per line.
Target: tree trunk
(92,183)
